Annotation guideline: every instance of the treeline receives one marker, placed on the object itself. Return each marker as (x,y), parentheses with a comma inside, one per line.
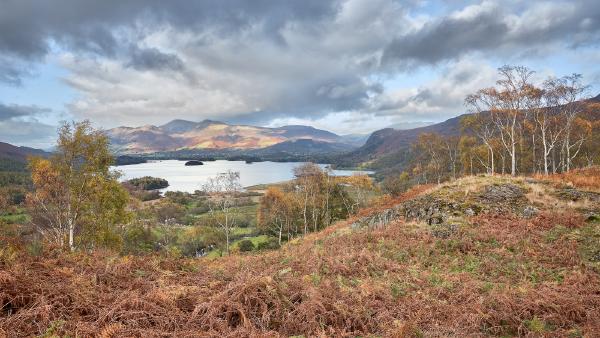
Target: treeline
(311,202)
(516,127)
(15,181)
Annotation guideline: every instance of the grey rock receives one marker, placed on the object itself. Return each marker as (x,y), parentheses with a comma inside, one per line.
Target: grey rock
(502,193)
(530,211)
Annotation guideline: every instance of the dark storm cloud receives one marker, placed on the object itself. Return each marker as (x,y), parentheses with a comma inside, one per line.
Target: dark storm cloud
(8,112)
(154,59)
(27,25)
(447,38)
(495,28)
(29,28)
(261,59)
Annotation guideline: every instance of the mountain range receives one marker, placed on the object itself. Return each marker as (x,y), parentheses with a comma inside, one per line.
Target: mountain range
(187,135)
(383,150)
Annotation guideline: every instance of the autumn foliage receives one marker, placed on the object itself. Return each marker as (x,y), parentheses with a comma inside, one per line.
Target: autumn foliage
(587,178)
(495,275)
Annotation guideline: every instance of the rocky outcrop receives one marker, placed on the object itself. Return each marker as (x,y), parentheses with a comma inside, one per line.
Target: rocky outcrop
(442,206)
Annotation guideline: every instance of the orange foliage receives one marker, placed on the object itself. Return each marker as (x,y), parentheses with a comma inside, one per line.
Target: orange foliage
(494,278)
(585,178)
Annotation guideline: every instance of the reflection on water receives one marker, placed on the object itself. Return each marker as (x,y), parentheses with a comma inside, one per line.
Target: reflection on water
(191,178)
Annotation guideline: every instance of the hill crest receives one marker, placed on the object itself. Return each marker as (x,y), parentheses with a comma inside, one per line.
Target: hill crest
(18,153)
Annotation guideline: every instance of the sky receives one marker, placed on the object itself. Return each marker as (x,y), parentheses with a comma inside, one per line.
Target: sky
(348,66)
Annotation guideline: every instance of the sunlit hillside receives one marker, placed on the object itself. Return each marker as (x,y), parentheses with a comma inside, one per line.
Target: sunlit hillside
(480,256)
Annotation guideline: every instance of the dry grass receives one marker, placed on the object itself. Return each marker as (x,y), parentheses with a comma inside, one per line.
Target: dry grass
(497,275)
(586,178)
(544,196)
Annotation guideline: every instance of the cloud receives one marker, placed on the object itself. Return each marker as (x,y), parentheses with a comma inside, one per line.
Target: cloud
(8,112)
(147,61)
(27,27)
(154,59)
(12,71)
(19,125)
(348,122)
(27,133)
(245,76)
(495,28)
(474,28)
(438,99)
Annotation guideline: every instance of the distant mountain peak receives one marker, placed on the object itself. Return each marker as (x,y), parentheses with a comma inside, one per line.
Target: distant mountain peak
(296,126)
(178,126)
(177,121)
(212,121)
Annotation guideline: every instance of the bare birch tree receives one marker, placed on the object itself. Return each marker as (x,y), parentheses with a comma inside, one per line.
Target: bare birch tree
(568,98)
(223,190)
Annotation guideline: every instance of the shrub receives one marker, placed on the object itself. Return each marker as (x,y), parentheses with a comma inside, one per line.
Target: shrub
(246,245)
(179,197)
(245,222)
(270,244)
(200,208)
(149,196)
(168,212)
(396,186)
(585,178)
(142,195)
(138,239)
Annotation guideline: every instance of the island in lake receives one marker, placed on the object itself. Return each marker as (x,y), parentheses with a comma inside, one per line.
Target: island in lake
(193,163)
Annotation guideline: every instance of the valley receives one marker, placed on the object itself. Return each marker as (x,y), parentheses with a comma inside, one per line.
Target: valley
(480,269)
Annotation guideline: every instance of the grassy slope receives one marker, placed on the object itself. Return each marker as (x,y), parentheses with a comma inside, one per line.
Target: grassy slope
(493,275)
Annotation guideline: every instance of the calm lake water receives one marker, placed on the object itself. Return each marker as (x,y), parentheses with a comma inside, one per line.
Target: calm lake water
(191,178)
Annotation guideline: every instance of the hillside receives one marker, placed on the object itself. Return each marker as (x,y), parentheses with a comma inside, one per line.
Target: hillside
(389,140)
(482,256)
(304,147)
(388,149)
(208,134)
(15,153)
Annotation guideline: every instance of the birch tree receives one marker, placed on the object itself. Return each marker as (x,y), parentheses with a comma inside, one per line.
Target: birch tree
(308,180)
(506,103)
(276,212)
(75,189)
(222,191)
(481,124)
(431,148)
(543,107)
(568,98)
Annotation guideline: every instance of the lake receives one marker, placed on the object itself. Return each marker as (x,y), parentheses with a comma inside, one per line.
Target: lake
(191,178)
